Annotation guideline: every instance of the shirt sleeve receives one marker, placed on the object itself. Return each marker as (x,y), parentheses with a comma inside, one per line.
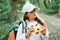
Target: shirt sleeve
(46,36)
(20,35)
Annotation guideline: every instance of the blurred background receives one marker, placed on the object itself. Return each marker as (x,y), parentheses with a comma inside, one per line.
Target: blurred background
(11,13)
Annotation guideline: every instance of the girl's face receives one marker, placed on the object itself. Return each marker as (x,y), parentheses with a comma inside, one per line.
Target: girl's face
(31,14)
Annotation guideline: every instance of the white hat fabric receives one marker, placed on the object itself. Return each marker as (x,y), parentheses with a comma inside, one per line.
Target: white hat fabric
(28,7)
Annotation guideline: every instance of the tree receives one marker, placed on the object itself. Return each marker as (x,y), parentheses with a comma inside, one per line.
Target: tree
(13,14)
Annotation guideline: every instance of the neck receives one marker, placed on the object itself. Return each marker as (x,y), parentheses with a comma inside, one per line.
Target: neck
(31,20)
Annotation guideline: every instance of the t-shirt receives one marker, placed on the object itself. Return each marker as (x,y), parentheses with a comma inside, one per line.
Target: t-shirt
(33,36)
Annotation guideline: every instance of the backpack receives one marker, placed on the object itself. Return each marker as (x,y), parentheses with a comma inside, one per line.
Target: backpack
(15,27)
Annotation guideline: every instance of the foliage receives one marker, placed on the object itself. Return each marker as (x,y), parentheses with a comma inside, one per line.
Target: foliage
(53,6)
(4,30)
(5,11)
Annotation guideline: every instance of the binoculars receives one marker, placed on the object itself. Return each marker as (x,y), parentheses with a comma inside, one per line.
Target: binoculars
(37,29)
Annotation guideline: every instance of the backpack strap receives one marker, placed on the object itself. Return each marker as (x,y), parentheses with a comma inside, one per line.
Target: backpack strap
(24,25)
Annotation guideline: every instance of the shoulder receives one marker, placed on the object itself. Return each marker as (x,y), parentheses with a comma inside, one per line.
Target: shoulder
(21,23)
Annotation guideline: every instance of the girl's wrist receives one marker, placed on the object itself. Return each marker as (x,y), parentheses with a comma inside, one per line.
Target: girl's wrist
(26,35)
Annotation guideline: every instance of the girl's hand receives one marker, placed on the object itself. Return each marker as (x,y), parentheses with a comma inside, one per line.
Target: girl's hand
(43,31)
(30,30)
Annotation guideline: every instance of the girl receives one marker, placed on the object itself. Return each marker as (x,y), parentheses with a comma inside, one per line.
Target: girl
(31,18)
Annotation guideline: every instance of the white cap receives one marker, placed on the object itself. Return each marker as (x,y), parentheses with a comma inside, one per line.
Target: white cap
(28,7)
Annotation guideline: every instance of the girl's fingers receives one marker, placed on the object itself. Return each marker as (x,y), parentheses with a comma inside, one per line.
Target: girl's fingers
(43,27)
(43,32)
(31,29)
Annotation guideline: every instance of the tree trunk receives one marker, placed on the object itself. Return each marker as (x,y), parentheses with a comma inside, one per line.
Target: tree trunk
(45,3)
(13,14)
